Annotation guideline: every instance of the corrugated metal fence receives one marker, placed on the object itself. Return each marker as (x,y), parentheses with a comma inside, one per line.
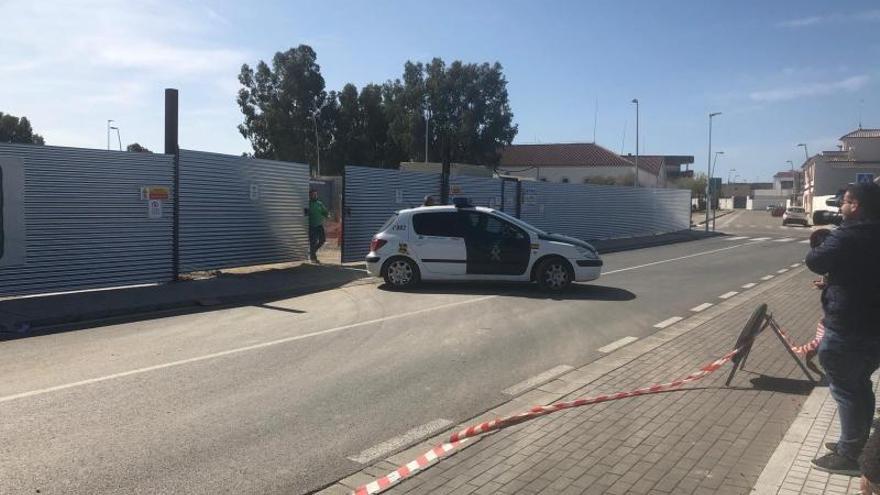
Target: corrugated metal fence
(371,195)
(585,211)
(85,223)
(240,211)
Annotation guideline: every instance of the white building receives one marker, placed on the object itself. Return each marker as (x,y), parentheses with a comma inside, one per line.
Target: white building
(857,159)
(578,163)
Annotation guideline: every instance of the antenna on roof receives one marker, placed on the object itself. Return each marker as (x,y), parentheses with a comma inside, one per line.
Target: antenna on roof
(623,141)
(861,105)
(595,120)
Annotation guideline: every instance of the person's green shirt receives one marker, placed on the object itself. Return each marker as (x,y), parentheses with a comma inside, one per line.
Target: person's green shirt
(317,213)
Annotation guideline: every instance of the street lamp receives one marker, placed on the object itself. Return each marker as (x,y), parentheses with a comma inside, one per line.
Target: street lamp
(636,169)
(108,133)
(427,123)
(317,144)
(806,154)
(709,167)
(117,137)
(794,181)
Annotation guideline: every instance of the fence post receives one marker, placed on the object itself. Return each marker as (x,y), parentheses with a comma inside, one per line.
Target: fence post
(172,147)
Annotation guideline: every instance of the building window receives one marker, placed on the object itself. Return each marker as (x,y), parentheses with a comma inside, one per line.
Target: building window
(565,180)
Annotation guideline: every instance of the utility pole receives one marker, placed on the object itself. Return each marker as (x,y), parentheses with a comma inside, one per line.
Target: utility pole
(636,169)
(108,133)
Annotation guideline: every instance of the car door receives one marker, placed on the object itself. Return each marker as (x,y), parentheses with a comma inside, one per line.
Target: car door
(438,242)
(494,246)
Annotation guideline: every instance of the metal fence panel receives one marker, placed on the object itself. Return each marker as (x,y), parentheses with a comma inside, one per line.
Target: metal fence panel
(374,194)
(481,191)
(85,222)
(237,211)
(594,212)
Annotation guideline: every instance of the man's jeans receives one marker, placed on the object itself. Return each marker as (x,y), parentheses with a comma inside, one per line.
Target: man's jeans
(849,363)
(317,238)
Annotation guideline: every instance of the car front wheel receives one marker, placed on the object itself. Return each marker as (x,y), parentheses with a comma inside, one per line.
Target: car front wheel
(554,274)
(400,273)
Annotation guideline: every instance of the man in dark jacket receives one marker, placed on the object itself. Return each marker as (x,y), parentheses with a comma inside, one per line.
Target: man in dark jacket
(849,257)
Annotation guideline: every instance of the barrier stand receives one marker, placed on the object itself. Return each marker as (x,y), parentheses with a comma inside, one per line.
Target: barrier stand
(759,321)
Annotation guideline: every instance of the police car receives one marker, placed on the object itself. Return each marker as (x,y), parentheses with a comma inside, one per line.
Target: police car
(463,242)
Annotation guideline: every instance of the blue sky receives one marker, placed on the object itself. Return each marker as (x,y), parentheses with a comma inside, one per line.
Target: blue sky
(782,72)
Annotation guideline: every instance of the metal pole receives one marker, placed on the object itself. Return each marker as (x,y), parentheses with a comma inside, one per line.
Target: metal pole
(709,168)
(119,138)
(317,145)
(636,169)
(427,120)
(172,148)
(108,133)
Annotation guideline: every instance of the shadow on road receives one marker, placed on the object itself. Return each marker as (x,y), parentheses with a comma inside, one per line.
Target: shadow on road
(577,292)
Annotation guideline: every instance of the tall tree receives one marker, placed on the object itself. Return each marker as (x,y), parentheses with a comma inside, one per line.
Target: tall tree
(18,130)
(284,105)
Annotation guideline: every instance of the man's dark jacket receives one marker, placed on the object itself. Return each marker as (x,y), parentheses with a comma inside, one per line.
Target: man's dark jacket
(850,259)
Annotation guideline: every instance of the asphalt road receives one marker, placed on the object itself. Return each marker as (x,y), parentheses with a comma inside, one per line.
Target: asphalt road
(280,398)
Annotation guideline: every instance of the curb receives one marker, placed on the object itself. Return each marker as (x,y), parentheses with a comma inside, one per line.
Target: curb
(133,313)
(773,475)
(556,389)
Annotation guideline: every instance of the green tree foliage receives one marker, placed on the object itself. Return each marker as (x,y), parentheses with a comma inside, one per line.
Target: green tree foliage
(380,125)
(137,148)
(17,130)
(281,104)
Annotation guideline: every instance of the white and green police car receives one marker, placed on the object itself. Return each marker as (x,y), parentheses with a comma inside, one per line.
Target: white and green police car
(464,242)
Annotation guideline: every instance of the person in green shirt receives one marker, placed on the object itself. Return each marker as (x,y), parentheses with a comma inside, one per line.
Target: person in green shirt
(317,213)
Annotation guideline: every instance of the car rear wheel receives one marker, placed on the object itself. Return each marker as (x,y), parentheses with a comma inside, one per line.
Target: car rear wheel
(400,273)
(554,274)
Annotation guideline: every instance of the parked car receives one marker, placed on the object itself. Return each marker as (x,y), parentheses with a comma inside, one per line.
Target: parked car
(795,214)
(463,242)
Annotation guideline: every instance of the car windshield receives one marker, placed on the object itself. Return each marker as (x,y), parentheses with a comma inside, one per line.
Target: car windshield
(796,210)
(518,222)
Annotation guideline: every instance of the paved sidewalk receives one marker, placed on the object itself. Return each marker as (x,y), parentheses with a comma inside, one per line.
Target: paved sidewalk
(705,439)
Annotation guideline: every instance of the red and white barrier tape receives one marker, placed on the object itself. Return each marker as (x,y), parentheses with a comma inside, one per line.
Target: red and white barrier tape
(457,439)
(809,346)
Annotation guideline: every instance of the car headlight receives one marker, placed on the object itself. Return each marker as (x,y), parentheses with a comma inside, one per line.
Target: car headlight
(586,252)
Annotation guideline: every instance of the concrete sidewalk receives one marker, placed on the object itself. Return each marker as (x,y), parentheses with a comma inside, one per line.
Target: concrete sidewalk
(28,316)
(704,439)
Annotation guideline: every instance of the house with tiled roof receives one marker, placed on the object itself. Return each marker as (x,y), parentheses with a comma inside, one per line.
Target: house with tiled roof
(579,163)
(856,159)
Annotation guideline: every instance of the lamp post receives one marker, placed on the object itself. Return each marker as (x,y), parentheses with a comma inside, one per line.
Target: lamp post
(317,144)
(806,153)
(427,123)
(709,167)
(108,133)
(794,181)
(636,168)
(115,128)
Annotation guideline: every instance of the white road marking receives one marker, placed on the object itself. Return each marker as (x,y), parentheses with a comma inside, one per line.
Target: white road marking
(761,239)
(701,307)
(794,265)
(782,270)
(767,277)
(805,241)
(538,379)
(738,238)
(412,436)
(669,321)
(703,253)
(728,295)
(617,344)
(784,239)
(238,350)
(749,285)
